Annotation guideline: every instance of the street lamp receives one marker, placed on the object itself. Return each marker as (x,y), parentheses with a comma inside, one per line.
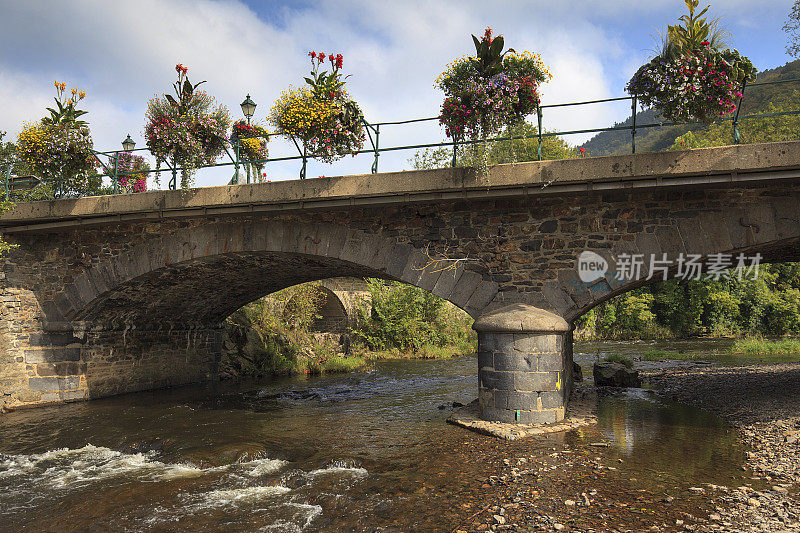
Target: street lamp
(128,144)
(248,108)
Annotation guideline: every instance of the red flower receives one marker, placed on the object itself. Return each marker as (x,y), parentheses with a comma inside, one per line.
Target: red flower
(706,43)
(583,150)
(339,60)
(313,55)
(321,58)
(487,35)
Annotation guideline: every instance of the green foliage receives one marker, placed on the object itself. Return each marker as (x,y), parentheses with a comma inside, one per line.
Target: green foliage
(759,346)
(769,305)
(694,31)
(490,54)
(511,151)
(67,113)
(408,319)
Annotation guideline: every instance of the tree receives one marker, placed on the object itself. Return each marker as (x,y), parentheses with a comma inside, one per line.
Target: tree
(792,27)
(510,151)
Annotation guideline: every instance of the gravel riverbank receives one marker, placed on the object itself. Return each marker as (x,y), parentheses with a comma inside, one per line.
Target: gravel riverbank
(763,403)
(583,484)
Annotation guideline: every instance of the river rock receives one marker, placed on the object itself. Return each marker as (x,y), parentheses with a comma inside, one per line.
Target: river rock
(577,372)
(611,374)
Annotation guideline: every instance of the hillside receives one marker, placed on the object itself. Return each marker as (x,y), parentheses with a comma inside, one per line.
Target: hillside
(757,99)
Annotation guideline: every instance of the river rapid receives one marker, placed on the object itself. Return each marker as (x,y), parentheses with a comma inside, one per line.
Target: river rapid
(355,452)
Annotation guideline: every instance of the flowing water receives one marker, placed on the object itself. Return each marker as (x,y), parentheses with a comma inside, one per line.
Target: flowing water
(332,453)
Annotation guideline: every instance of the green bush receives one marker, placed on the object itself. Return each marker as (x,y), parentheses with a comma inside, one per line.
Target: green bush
(410,320)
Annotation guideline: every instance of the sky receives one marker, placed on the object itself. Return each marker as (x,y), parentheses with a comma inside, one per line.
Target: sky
(123,52)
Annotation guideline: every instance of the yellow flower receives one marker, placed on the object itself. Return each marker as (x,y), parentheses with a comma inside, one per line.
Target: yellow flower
(74,91)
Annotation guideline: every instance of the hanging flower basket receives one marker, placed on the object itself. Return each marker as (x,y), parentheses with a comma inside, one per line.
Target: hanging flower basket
(131,172)
(252,141)
(694,78)
(494,90)
(322,116)
(58,149)
(188,131)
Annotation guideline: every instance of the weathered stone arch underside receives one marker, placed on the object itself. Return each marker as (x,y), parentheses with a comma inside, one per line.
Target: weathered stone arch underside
(200,275)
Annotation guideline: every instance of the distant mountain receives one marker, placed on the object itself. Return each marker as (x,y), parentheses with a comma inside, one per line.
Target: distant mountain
(757,99)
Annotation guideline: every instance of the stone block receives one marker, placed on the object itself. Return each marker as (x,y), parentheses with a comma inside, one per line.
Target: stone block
(485,397)
(535,381)
(498,415)
(447,281)
(551,362)
(539,417)
(515,400)
(491,379)
(515,362)
(43,384)
(537,343)
(482,296)
(551,400)
(465,288)
(485,360)
(52,355)
(496,342)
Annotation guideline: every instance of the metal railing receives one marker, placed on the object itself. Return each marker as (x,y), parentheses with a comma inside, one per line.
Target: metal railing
(373,132)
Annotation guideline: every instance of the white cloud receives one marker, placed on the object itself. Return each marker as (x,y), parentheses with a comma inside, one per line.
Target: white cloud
(123,53)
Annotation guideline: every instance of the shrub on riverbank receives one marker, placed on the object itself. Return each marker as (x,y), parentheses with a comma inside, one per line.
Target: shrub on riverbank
(759,346)
(405,321)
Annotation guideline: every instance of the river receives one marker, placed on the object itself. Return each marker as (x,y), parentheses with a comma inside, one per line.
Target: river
(330,453)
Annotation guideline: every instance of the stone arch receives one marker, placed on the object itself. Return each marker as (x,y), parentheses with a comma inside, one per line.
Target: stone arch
(201,274)
(331,316)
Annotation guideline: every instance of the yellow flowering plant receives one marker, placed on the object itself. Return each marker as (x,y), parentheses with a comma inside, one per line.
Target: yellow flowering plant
(323,116)
(252,141)
(58,149)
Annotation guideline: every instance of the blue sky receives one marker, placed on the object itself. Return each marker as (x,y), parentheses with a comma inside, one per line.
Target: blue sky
(123,52)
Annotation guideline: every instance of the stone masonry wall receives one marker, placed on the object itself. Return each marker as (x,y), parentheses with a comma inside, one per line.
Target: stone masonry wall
(187,274)
(39,367)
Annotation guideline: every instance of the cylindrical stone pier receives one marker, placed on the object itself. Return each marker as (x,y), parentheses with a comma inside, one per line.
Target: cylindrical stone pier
(524,365)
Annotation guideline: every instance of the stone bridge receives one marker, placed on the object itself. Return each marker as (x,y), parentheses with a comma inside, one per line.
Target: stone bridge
(114,294)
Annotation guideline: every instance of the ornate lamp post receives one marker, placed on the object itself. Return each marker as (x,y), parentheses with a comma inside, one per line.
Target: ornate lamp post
(248,108)
(128,144)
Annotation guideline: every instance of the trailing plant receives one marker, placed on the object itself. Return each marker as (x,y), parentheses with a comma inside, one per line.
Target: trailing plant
(492,90)
(252,141)
(131,171)
(695,77)
(187,130)
(322,116)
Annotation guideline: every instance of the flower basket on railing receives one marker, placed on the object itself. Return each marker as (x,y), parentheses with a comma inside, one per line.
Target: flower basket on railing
(58,149)
(322,116)
(494,90)
(251,140)
(130,171)
(694,77)
(186,132)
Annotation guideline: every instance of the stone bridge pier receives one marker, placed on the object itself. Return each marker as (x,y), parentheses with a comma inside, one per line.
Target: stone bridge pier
(524,365)
(122,293)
